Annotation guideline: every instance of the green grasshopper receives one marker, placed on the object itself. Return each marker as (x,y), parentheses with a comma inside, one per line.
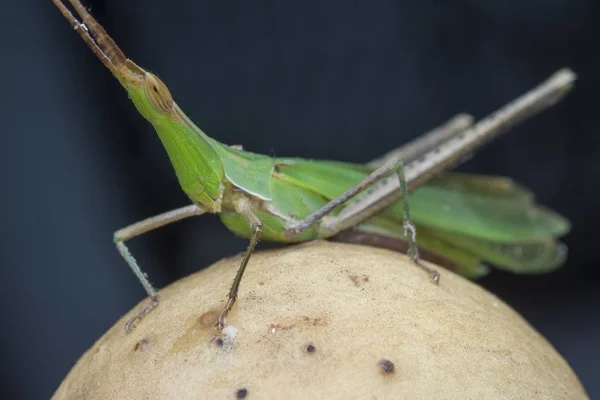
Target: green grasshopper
(463,220)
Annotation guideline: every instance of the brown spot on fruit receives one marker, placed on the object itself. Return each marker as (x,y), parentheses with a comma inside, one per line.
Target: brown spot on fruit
(209,318)
(142,345)
(217,341)
(359,280)
(386,367)
(313,321)
(280,327)
(197,330)
(310,348)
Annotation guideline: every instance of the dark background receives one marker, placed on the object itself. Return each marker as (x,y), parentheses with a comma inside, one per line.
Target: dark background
(319,79)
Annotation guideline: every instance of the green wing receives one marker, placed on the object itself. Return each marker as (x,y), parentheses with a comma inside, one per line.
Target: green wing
(466,252)
(504,226)
(481,218)
(463,209)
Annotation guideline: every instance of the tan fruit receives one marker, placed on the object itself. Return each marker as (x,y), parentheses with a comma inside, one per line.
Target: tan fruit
(325,321)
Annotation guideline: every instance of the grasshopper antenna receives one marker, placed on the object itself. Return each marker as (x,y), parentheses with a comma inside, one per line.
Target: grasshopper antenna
(94,35)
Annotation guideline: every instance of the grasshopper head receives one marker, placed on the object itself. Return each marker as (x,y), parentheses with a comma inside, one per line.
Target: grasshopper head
(196,162)
(149,94)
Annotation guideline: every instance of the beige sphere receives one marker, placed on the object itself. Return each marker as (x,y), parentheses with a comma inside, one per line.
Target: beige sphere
(325,321)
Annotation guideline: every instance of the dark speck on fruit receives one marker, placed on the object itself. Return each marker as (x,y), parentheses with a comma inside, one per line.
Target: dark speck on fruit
(386,366)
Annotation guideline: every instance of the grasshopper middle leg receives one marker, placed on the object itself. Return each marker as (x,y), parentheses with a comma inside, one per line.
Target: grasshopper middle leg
(245,209)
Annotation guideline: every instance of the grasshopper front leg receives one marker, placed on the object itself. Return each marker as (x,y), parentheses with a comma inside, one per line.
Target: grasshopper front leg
(131,231)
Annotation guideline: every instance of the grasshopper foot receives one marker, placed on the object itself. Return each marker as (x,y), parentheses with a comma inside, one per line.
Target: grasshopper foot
(435,276)
(433,273)
(221,320)
(145,309)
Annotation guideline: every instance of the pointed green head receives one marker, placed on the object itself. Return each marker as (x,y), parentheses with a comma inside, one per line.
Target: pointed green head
(196,163)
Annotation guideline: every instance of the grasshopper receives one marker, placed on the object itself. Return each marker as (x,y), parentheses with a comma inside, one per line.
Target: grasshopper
(463,220)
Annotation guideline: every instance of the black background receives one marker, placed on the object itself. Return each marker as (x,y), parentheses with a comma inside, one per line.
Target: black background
(320,79)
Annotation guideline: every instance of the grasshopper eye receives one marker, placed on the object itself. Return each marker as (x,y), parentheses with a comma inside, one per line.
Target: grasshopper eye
(158,94)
